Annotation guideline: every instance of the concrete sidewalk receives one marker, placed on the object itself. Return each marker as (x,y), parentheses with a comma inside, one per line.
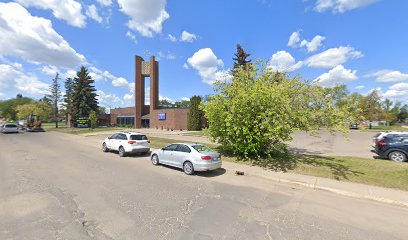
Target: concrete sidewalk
(350,189)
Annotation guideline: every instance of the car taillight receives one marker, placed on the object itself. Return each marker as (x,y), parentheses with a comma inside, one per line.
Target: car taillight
(219,157)
(148,141)
(206,158)
(381,144)
(132,142)
(376,139)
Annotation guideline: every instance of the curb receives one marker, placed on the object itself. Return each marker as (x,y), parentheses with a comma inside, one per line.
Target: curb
(340,192)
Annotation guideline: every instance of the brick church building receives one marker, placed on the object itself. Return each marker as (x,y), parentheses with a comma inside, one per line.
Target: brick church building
(153,115)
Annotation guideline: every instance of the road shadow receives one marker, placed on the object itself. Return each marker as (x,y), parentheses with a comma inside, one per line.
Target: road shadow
(287,161)
(207,174)
(213,173)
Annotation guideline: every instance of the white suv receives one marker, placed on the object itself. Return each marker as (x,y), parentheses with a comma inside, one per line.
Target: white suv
(378,136)
(127,142)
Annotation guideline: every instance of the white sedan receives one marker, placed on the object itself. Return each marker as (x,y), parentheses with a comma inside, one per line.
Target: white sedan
(190,157)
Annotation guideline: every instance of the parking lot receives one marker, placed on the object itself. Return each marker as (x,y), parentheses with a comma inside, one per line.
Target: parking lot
(356,143)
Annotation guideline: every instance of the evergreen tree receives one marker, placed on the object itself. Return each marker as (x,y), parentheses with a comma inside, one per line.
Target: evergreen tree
(195,117)
(69,90)
(55,97)
(83,96)
(240,59)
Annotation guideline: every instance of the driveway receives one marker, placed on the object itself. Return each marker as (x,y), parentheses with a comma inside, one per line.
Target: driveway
(356,143)
(59,186)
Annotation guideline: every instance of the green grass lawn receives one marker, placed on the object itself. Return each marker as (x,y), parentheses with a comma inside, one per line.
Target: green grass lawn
(385,128)
(377,172)
(77,131)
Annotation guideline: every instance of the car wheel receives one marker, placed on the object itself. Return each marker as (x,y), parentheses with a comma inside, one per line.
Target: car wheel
(122,152)
(155,160)
(397,156)
(105,148)
(188,168)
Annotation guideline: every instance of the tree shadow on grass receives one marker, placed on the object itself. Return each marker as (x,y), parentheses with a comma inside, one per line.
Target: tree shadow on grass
(284,162)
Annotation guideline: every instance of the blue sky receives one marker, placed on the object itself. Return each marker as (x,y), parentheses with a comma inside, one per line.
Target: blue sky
(361,43)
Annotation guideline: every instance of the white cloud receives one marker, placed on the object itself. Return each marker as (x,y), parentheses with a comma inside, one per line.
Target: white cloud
(67,10)
(108,99)
(333,57)
(33,39)
(185,99)
(105,3)
(13,79)
(283,61)
(206,64)
(131,36)
(314,44)
(294,39)
(92,12)
(188,37)
(172,38)
(50,70)
(398,91)
(70,74)
(120,82)
(360,87)
(185,66)
(128,97)
(162,98)
(341,6)
(168,55)
(389,76)
(146,17)
(337,75)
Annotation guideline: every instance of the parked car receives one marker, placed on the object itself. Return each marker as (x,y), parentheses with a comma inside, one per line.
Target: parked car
(394,148)
(354,126)
(378,136)
(188,156)
(127,143)
(9,128)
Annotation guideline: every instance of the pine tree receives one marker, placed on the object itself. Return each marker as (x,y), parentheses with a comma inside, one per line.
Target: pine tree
(83,96)
(69,90)
(240,59)
(195,117)
(55,97)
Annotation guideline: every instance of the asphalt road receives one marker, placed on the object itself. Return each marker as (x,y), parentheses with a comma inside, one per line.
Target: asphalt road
(56,186)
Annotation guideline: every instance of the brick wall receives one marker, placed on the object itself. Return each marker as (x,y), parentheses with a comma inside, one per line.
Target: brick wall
(176,119)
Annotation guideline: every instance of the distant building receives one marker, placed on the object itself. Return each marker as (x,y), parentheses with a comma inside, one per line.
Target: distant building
(153,115)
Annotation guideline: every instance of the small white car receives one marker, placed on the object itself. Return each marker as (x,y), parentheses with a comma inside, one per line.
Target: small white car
(9,128)
(190,157)
(127,143)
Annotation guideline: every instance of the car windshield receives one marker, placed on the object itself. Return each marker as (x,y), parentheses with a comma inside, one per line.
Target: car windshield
(138,137)
(377,134)
(202,148)
(10,126)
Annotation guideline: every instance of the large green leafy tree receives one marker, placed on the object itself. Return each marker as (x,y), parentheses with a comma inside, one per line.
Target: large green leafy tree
(84,95)
(253,116)
(55,97)
(371,106)
(8,107)
(240,59)
(195,117)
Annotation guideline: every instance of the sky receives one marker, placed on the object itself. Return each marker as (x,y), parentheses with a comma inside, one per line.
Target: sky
(361,43)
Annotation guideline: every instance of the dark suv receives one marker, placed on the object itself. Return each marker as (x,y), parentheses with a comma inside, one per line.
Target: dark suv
(394,148)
